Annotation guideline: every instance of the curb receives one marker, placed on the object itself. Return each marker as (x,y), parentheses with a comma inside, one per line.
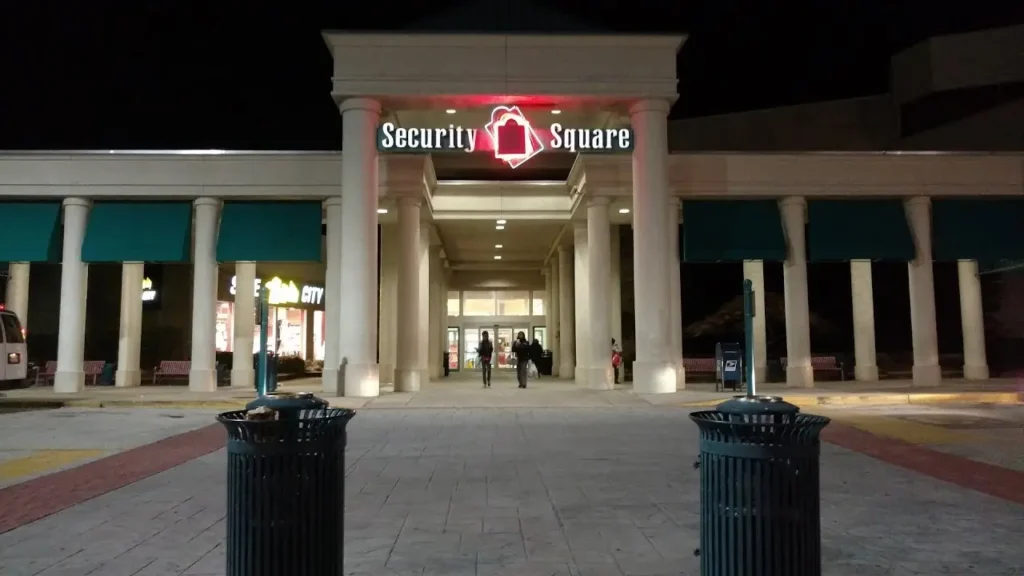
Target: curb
(807,400)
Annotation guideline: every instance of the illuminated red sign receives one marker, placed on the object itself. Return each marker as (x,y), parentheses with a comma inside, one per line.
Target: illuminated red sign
(514,139)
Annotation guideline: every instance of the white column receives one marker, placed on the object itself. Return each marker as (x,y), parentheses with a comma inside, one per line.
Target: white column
(408,377)
(972,319)
(423,339)
(331,383)
(129,344)
(922,295)
(555,327)
(73,288)
(673,266)
(654,370)
(434,367)
(599,323)
(203,375)
(566,313)
(242,373)
(443,313)
(864,363)
(794,274)
(359,198)
(753,270)
(17,290)
(388,301)
(546,273)
(616,284)
(582,306)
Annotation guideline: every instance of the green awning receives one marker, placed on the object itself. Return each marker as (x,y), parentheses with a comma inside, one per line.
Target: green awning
(138,232)
(732,231)
(983,229)
(270,232)
(843,230)
(30,232)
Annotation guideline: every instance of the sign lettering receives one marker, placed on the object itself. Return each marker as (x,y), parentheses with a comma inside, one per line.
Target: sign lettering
(282,292)
(148,294)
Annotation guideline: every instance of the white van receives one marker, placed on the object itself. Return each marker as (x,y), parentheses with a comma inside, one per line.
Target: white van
(14,361)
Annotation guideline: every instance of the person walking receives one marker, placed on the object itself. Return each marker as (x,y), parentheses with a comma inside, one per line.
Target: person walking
(484,351)
(521,351)
(536,351)
(616,358)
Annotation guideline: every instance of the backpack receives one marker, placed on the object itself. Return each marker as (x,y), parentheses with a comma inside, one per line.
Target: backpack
(616,359)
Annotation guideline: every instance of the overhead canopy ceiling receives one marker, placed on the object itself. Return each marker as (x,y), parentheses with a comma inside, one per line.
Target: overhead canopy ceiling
(472,242)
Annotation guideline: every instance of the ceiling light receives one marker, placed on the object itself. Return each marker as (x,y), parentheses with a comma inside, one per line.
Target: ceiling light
(498,246)
(623,210)
(556,112)
(502,221)
(499,227)
(450,111)
(497,257)
(382,210)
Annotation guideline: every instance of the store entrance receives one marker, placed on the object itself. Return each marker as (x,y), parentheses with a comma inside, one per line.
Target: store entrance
(506,336)
(501,336)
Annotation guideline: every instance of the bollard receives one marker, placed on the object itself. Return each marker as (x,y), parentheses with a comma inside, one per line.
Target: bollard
(285,487)
(760,504)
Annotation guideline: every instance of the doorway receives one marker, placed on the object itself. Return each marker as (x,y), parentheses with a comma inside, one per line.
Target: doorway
(506,336)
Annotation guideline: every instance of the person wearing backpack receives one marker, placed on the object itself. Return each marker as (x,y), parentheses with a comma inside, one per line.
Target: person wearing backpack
(616,359)
(484,351)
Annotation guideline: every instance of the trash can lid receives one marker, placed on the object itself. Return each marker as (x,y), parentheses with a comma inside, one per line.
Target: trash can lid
(757,405)
(288,401)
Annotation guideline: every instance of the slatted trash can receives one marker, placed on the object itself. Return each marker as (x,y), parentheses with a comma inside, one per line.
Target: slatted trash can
(760,504)
(285,493)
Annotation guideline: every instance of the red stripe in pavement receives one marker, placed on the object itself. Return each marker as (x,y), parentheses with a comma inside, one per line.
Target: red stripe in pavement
(983,477)
(37,498)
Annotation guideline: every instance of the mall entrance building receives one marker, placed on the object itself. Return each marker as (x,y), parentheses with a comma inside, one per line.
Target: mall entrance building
(485,182)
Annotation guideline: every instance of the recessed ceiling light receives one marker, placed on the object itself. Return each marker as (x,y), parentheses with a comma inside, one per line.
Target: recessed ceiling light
(450,111)
(556,112)
(499,227)
(498,246)
(502,221)
(497,257)
(382,210)
(623,210)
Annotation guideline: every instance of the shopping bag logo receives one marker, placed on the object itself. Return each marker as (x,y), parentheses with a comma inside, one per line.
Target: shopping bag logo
(513,138)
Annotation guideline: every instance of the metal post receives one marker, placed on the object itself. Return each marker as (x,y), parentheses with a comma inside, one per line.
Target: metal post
(748,329)
(261,368)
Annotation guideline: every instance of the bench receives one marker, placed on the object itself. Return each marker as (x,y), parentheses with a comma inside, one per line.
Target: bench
(172,369)
(824,364)
(93,368)
(700,365)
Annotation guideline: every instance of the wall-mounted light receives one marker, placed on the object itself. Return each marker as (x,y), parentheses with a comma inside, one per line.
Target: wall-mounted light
(623,210)
(382,210)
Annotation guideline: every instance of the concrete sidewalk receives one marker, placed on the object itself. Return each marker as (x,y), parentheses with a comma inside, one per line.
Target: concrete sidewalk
(463,391)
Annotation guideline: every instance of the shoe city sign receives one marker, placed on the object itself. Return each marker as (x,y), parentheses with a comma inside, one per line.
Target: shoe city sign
(282,292)
(509,136)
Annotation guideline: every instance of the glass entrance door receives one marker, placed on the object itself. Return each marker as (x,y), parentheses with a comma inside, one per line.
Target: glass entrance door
(503,345)
(453,349)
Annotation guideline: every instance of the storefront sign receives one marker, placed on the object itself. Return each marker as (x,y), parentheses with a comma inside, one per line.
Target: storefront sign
(282,293)
(509,135)
(148,293)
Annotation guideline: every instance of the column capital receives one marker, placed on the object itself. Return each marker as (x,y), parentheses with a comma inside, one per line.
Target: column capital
(215,202)
(918,201)
(332,201)
(655,105)
(77,202)
(598,201)
(793,201)
(409,200)
(563,249)
(367,104)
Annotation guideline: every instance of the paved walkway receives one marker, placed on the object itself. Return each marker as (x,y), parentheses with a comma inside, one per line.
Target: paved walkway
(519,492)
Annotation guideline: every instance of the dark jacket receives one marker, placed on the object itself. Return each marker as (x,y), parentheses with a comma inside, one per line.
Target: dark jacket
(521,350)
(536,351)
(485,349)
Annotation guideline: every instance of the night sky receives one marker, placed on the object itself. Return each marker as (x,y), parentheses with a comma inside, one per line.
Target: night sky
(143,74)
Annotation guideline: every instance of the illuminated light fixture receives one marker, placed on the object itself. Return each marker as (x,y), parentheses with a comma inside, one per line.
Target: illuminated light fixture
(623,210)
(513,138)
(497,257)
(556,112)
(382,210)
(499,227)
(498,246)
(450,111)
(502,222)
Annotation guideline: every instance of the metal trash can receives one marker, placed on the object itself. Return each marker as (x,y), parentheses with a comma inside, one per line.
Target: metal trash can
(286,486)
(760,505)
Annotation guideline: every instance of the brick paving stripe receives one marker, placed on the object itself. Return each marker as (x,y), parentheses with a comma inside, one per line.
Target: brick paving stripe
(34,499)
(982,477)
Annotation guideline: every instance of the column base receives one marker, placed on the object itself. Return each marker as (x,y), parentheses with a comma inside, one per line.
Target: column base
(654,377)
(580,375)
(867,373)
(201,380)
(330,382)
(928,375)
(976,372)
(243,378)
(409,379)
(128,378)
(68,382)
(800,376)
(760,375)
(387,373)
(680,375)
(600,378)
(566,371)
(361,380)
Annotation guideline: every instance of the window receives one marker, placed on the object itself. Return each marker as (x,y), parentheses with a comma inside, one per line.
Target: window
(13,329)
(513,303)
(478,303)
(453,303)
(538,303)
